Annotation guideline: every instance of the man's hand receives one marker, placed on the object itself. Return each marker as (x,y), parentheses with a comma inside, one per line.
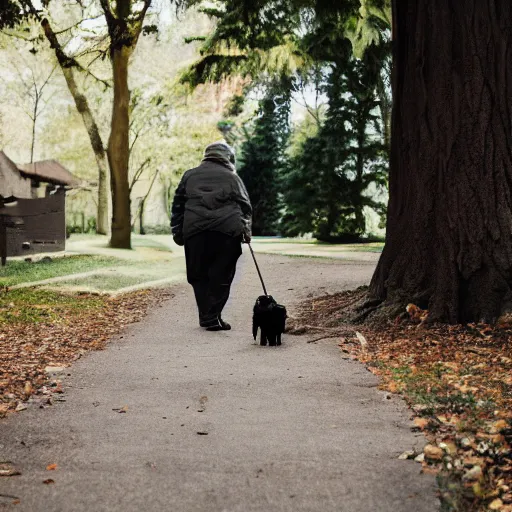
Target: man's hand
(178,240)
(246,239)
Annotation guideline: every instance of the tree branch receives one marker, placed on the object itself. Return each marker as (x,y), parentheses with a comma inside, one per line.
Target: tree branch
(77,24)
(138,173)
(142,14)
(16,35)
(109,15)
(65,60)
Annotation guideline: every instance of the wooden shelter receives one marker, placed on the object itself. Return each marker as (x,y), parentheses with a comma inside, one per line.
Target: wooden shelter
(12,183)
(48,172)
(31,222)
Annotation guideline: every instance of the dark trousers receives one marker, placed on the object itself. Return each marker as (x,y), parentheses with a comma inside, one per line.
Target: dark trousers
(211,265)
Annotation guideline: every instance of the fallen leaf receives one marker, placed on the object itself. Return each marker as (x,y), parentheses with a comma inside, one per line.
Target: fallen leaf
(475,473)
(51,467)
(474,461)
(392,387)
(48,481)
(499,426)
(58,389)
(362,340)
(28,390)
(450,448)
(433,452)
(421,423)
(496,504)
(8,469)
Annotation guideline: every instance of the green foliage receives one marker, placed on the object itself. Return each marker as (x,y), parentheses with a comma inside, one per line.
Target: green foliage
(160,229)
(263,156)
(214,68)
(12,13)
(326,187)
(250,37)
(236,106)
(338,160)
(370,26)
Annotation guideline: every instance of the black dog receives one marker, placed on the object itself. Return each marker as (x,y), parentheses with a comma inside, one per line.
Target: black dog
(270,317)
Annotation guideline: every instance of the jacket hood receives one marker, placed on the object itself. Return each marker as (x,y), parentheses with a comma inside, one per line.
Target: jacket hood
(221,152)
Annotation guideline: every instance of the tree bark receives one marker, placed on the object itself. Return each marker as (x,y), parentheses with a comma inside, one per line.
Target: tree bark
(119,150)
(100,155)
(67,64)
(449,228)
(34,122)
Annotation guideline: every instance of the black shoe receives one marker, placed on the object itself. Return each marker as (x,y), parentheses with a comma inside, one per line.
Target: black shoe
(220,326)
(225,325)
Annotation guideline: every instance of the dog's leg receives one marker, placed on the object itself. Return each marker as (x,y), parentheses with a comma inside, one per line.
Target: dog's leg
(272,340)
(254,328)
(263,338)
(279,339)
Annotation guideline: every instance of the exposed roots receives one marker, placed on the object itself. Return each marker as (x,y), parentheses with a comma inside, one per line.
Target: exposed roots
(339,314)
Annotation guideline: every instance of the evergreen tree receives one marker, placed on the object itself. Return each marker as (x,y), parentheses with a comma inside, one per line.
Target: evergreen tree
(263,156)
(326,185)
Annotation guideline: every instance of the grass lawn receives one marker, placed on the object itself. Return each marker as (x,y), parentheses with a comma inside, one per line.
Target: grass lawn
(373,247)
(16,272)
(107,283)
(79,242)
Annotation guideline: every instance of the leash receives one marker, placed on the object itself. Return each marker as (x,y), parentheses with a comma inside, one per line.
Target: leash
(258,269)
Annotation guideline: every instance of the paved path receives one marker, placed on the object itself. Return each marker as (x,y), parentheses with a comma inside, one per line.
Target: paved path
(289,429)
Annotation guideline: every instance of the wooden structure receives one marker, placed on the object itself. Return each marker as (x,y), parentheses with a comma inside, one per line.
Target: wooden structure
(48,172)
(30,224)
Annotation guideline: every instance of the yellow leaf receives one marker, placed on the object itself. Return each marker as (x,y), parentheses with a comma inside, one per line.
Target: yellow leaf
(433,452)
(421,423)
(392,387)
(496,504)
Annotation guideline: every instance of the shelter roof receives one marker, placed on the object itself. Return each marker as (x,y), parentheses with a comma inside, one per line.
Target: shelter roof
(49,171)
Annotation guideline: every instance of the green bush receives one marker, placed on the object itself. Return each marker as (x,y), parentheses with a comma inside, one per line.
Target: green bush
(158,229)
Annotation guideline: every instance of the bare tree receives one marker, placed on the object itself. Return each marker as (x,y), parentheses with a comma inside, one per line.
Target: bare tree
(31,93)
(70,66)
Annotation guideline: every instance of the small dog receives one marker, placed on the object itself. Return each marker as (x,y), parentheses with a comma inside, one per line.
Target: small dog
(270,318)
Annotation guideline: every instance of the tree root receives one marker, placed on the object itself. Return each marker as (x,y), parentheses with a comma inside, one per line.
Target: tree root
(365,314)
(323,338)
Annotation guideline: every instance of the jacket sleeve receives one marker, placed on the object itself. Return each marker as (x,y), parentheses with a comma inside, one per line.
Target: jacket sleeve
(242,198)
(178,212)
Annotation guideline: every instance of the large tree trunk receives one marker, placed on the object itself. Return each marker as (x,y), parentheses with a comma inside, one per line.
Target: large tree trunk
(119,150)
(67,64)
(449,231)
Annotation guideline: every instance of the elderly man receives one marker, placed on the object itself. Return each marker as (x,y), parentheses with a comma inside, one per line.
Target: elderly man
(211,217)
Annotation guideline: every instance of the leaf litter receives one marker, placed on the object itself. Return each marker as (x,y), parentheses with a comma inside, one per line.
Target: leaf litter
(34,348)
(457,380)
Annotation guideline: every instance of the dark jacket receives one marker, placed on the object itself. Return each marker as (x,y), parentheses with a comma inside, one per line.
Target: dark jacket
(210,197)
